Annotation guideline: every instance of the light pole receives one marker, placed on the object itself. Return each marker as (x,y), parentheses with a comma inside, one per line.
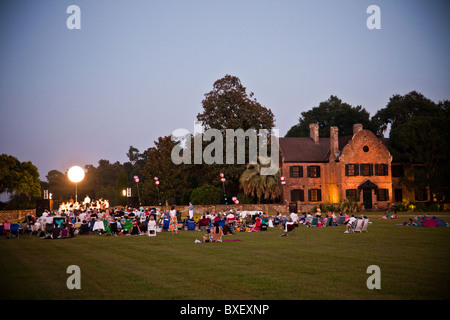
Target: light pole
(76,174)
(136,179)
(222,178)
(157,188)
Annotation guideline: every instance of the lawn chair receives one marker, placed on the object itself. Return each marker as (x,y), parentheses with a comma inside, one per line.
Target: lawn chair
(151,229)
(15,230)
(365,225)
(315,222)
(190,224)
(204,223)
(289,226)
(49,229)
(358,226)
(352,226)
(113,227)
(166,224)
(340,220)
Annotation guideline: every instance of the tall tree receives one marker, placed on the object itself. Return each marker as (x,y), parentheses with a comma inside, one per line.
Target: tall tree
(419,139)
(401,108)
(19,177)
(332,112)
(173,179)
(228,106)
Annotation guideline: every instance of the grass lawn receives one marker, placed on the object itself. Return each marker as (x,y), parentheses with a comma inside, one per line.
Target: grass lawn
(311,263)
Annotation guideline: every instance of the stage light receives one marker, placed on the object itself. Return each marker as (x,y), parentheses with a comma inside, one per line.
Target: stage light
(76,174)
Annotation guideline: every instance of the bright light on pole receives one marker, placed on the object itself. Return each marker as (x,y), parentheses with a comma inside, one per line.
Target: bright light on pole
(157,188)
(76,174)
(222,178)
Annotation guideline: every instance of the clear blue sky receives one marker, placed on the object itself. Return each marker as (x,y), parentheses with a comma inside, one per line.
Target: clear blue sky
(138,70)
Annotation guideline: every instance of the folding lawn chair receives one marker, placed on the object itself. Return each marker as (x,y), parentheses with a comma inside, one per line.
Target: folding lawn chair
(15,230)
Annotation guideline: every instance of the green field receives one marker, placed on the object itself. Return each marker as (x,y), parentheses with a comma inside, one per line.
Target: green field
(310,263)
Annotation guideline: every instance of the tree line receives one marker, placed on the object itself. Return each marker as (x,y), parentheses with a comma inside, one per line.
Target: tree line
(419,133)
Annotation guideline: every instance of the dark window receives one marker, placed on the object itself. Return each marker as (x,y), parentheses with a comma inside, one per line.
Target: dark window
(297,195)
(351,194)
(296,171)
(382,195)
(397,171)
(315,195)
(313,171)
(366,169)
(381,169)
(398,195)
(351,170)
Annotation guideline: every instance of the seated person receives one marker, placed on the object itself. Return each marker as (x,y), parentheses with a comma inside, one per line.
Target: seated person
(207,236)
(135,230)
(84,228)
(6,228)
(308,219)
(217,233)
(264,223)
(151,227)
(289,225)
(227,228)
(257,225)
(349,226)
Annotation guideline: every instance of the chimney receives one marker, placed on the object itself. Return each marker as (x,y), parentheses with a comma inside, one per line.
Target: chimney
(334,142)
(314,132)
(357,128)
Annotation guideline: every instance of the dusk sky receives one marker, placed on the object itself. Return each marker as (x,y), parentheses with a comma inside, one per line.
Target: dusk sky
(138,70)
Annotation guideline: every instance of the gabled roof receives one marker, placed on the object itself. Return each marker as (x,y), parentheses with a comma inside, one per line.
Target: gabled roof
(367,185)
(304,149)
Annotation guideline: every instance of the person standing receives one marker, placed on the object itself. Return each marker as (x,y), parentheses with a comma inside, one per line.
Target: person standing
(173,224)
(191,211)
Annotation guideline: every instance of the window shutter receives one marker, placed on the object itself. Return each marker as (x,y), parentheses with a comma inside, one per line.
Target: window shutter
(300,171)
(308,172)
(302,195)
(291,172)
(319,195)
(309,195)
(376,169)
(292,195)
(346,170)
(386,169)
(318,171)
(370,169)
(356,169)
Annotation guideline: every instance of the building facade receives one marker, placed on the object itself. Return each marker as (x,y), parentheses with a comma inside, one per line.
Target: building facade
(330,170)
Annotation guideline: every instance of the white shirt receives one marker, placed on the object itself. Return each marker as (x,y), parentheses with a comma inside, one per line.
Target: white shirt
(294,217)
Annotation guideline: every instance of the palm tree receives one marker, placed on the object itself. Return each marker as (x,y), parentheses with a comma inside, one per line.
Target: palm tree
(253,183)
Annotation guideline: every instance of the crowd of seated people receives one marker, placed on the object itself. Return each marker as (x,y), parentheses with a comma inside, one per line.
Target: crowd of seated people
(131,221)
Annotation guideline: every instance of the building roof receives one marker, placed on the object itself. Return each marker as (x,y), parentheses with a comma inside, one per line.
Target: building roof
(304,149)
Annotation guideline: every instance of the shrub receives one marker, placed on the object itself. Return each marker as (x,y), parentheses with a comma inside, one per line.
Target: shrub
(207,194)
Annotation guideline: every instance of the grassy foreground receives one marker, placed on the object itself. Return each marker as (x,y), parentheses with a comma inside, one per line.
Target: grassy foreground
(311,263)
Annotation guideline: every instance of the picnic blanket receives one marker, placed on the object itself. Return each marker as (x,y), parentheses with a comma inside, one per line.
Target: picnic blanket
(430,223)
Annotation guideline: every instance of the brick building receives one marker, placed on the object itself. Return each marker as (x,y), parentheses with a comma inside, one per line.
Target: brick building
(328,170)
